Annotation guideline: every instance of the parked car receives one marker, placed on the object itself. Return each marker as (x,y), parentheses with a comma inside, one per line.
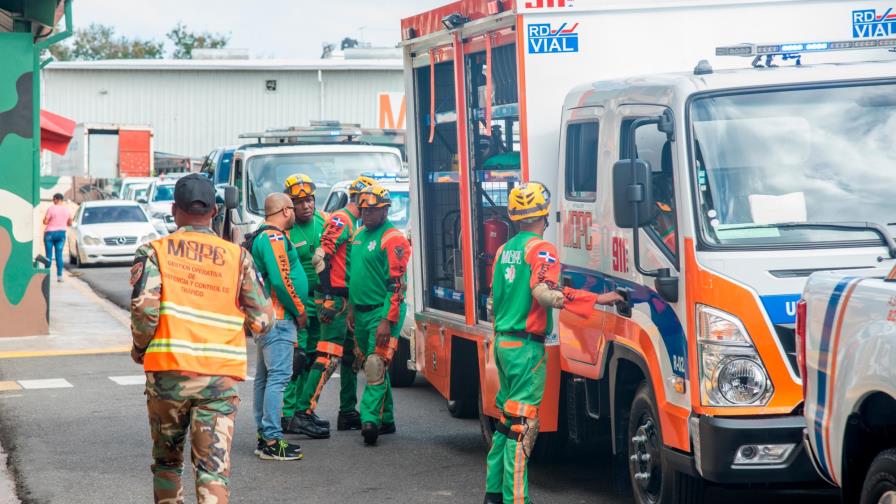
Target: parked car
(158,201)
(846,334)
(130,183)
(108,231)
(216,165)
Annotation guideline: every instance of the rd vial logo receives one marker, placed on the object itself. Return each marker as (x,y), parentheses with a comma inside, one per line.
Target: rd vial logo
(545,39)
(869,23)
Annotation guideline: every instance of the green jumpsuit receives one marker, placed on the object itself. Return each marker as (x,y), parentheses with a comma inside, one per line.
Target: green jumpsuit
(333,283)
(521,324)
(378,269)
(305,237)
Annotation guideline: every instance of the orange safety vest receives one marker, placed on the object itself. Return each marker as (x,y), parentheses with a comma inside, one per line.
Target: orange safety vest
(200,323)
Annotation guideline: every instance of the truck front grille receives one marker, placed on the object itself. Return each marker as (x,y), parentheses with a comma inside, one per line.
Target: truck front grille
(787,336)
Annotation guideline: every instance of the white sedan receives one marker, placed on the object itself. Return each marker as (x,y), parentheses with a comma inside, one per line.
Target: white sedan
(108,231)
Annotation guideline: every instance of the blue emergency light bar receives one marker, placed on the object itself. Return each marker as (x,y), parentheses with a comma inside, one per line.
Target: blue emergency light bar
(753,50)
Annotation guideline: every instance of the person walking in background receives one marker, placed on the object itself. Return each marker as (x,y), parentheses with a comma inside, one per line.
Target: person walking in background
(57,219)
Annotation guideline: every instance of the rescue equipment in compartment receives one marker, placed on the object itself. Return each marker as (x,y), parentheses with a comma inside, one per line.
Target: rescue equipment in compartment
(497,231)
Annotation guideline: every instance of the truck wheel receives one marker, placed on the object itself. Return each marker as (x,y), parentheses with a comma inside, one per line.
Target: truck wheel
(880,482)
(399,374)
(462,408)
(653,480)
(486,423)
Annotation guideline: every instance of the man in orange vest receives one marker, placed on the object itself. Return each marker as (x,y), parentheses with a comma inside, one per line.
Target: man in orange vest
(194,296)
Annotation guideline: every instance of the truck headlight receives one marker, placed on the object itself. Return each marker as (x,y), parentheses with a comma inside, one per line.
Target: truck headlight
(90,240)
(731,372)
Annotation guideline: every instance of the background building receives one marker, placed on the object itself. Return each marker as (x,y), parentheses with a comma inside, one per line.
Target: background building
(194,105)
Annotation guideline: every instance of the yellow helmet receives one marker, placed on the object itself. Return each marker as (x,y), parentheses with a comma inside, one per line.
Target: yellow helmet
(299,185)
(528,200)
(374,196)
(359,184)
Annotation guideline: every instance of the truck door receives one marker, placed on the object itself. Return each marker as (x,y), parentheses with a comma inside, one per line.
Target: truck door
(660,245)
(580,240)
(134,153)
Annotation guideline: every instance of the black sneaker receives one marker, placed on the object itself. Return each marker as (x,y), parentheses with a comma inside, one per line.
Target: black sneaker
(280,450)
(387,428)
(302,423)
(259,443)
(348,420)
(370,432)
(320,422)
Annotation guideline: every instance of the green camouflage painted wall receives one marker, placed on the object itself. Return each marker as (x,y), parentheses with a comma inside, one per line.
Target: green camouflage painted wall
(23,289)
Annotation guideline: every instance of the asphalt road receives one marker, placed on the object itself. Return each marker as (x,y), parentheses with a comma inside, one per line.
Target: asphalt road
(90,443)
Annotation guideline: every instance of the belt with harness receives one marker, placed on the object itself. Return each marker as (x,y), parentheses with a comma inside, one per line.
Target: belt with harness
(538,338)
(364,308)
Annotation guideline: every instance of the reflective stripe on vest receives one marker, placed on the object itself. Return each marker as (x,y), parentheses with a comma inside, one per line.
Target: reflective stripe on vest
(200,324)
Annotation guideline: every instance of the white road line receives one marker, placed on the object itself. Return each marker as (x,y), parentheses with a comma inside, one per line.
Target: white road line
(129,380)
(336,375)
(51,383)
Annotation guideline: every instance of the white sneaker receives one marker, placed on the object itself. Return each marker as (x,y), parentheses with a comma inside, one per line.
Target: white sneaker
(59,279)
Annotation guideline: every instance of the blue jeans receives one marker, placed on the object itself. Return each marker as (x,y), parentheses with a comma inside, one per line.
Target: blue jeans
(271,376)
(54,241)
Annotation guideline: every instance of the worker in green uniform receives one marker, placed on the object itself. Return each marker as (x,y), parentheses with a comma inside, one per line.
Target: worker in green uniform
(524,291)
(305,237)
(378,270)
(330,261)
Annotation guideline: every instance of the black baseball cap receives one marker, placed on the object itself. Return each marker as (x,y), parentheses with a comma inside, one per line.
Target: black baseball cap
(194,194)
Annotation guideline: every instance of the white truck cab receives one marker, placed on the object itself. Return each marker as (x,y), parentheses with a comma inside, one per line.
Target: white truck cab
(846,331)
(260,169)
(739,184)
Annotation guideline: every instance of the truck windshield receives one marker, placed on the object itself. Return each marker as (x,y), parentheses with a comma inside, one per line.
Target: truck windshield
(780,167)
(398,211)
(266,173)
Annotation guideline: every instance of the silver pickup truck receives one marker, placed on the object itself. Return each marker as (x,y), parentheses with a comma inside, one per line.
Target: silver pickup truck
(846,344)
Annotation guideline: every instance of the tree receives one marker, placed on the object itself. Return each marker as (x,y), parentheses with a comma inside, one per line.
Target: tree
(97,42)
(185,41)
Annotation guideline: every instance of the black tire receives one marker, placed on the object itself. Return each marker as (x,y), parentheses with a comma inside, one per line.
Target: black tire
(486,423)
(399,374)
(462,408)
(663,485)
(880,481)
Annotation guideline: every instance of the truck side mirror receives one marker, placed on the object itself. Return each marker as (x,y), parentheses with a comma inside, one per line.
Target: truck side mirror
(632,193)
(231,197)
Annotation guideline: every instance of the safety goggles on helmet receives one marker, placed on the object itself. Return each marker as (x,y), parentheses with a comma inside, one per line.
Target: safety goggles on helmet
(359,184)
(528,200)
(299,186)
(374,197)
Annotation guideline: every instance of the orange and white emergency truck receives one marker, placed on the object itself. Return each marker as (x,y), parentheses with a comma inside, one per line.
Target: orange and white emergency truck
(736,173)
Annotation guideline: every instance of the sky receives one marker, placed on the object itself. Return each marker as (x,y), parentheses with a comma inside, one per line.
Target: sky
(267,28)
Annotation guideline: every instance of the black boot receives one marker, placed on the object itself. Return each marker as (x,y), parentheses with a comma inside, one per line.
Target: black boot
(493,498)
(348,420)
(387,428)
(370,432)
(304,424)
(320,422)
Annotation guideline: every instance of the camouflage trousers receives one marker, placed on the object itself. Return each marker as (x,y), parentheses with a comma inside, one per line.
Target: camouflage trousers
(205,408)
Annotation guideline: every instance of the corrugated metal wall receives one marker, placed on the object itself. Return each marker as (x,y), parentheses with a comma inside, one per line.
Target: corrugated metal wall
(192,112)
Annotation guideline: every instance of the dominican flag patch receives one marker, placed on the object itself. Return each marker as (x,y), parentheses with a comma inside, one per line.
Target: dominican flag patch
(547,257)
(338,222)
(275,237)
